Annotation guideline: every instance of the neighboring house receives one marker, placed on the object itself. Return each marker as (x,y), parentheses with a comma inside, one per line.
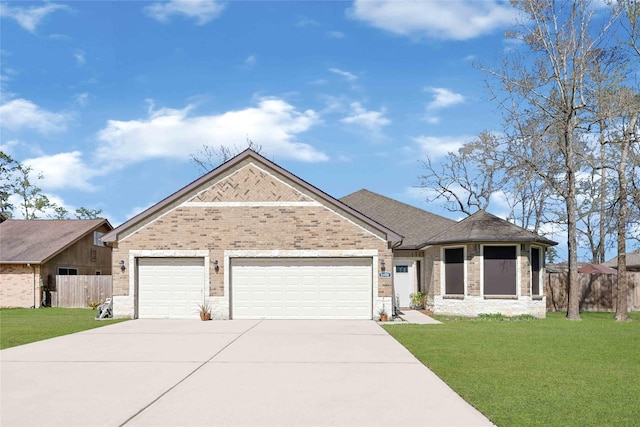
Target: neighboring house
(256,241)
(33,252)
(482,264)
(633,261)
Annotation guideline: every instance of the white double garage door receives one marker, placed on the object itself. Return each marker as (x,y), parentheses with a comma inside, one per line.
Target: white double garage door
(269,288)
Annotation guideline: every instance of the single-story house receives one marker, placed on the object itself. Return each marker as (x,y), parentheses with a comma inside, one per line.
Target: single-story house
(33,252)
(256,241)
(633,261)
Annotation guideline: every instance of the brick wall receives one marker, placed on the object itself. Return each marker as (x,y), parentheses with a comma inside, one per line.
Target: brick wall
(17,285)
(249,209)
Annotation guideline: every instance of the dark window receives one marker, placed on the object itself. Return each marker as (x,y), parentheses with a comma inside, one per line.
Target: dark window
(63,271)
(499,270)
(535,271)
(419,276)
(454,271)
(98,273)
(402,268)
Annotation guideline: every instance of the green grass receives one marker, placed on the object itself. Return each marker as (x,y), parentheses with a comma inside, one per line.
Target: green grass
(547,372)
(25,325)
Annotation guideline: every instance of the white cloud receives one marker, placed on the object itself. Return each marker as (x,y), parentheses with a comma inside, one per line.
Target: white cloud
(446,20)
(250,61)
(335,34)
(81,99)
(19,114)
(347,75)
(439,146)
(170,133)
(369,120)
(202,11)
(29,18)
(80,57)
(442,98)
(303,21)
(63,171)
(8,146)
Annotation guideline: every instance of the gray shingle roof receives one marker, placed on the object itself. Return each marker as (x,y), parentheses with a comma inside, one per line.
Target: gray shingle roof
(633,260)
(484,227)
(415,224)
(35,241)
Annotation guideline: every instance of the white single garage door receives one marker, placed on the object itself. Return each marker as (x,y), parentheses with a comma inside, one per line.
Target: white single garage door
(170,287)
(301,288)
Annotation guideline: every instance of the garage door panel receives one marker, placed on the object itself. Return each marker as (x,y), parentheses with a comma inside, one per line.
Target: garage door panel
(301,288)
(170,287)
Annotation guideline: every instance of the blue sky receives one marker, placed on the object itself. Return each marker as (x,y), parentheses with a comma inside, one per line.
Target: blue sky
(109,99)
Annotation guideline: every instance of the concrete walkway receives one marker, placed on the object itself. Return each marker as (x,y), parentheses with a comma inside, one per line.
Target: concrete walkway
(417,317)
(225,373)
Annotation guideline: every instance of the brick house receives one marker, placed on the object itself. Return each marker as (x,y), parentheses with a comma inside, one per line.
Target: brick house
(482,264)
(33,252)
(256,241)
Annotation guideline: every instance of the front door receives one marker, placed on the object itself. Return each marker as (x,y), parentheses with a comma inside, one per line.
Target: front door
(403,274)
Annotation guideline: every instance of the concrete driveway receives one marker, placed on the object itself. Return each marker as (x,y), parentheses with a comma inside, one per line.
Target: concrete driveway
(225,373)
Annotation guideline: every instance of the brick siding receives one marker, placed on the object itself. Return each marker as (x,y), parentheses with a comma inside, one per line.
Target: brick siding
(289,226)
(17,285)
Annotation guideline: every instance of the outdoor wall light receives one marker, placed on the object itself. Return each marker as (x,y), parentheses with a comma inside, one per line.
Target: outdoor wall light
(382,264)
(122,267)
(216,267)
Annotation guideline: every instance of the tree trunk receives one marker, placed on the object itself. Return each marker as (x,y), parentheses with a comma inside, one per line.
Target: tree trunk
(573,308)
(622,301)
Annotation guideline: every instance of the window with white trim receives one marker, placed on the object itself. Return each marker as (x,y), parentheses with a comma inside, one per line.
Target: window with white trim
(454,271)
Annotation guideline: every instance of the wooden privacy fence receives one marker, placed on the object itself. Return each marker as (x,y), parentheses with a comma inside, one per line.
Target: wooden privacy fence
(80,291)
(598,291)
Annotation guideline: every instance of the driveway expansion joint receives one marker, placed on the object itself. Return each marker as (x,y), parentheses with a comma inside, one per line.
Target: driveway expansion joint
(187,376)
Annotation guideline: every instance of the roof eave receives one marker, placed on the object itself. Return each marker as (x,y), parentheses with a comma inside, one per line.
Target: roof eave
(543,242)
(390,235)
(80,236)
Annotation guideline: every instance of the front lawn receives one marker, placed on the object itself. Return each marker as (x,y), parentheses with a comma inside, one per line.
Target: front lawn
(547,372)
(25,325)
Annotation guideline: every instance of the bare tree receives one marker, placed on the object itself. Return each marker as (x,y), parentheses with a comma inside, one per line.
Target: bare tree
(465,179)
(543,94)
(210,157)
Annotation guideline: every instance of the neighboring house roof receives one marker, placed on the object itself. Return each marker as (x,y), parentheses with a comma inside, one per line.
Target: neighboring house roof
(36,241)
(484,227)
(197,185)
(561,267)
(633,260)
(415,224)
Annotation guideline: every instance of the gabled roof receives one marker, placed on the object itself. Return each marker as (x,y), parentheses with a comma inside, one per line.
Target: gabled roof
(36,241)
(633,260)
(415,224)
(484,227)
(247,155)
